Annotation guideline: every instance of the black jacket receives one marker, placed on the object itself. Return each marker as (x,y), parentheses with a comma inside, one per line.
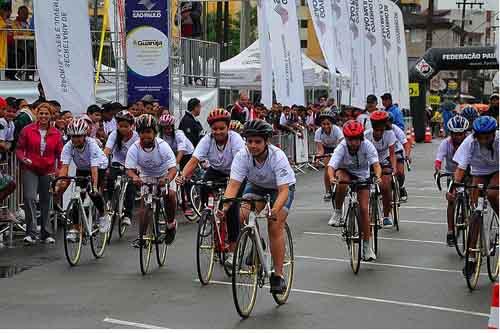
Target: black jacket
(191,127)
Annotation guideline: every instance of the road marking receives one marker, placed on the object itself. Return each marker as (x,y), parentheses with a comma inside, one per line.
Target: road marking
(420,268)
(403,206)
(377,300)
(131,323)
(386,238)
(427,196)
(422,207)
(422,222)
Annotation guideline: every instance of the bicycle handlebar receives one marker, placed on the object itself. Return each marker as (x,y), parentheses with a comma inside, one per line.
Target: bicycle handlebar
(439,175)
(76,178)
(209,183)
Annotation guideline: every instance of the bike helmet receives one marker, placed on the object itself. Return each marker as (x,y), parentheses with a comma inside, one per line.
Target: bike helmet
(146,121)
(167,120)
(218,115)
(258,128)
(353,129)
(236,126)
(379,116)
(326,114)
(484,125)
(458,124)
(77,127)
(124,116)
(470,113)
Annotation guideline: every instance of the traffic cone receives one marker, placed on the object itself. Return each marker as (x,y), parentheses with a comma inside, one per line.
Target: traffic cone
(493,322)
(428,135)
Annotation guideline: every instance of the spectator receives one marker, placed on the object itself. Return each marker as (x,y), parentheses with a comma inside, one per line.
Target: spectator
(61,122)
(493,108)
(7,127)
(133,109)
(56,105)
(140,107)
(363,116)
(5,12)
(322,101)
(38,150)
(189,124)
(22,53)
(330,102)
(108,117)
(94,112)
(393,109)
(259,111)
(240,108)
(21,103)
(23,118)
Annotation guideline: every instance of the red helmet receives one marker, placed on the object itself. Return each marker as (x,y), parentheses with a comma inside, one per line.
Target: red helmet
(353,129)
(218,115)
(379,116)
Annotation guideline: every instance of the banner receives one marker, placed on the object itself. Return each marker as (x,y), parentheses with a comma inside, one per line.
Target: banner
(321,15)
(340,10)
(147,50)
(356,29)
(402,60)
(266,69)
(390,51)
(285,51)
(64,54)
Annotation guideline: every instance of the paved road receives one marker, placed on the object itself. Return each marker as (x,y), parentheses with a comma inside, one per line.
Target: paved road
(415,283)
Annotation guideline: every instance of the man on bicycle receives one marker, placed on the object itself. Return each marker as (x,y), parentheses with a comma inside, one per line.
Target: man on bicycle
(88,158)
(480,152)
(458,127)
(151,157)
(403,151)
(352,160)
(268,172)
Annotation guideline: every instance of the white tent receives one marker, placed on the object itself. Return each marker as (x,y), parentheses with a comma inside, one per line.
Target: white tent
(243,71)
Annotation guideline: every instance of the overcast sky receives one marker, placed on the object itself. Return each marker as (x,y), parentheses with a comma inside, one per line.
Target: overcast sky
(488,4)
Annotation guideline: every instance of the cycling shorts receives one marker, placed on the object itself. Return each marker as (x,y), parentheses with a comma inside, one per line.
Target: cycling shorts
(253,191)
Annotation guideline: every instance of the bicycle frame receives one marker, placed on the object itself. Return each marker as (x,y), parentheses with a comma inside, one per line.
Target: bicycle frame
(82,204)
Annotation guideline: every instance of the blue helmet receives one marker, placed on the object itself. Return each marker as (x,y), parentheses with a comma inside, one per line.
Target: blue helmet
(470,113)
(484,124)
(458,124)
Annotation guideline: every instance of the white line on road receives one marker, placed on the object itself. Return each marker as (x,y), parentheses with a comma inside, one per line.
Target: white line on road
(378,300)
(131,323)
(422,222)
(303,208)
(386,238)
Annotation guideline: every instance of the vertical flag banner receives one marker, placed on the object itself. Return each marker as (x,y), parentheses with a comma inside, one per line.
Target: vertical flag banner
(65,66)
(266,65)
(321,14)
(147,50)
(340,26)
(285,51)
(399,31)
(356,29)
(390,50)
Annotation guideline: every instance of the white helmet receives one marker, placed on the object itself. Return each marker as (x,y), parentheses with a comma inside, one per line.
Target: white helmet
(77,127)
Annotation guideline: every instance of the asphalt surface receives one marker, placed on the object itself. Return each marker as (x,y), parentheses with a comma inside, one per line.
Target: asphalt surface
(415,283)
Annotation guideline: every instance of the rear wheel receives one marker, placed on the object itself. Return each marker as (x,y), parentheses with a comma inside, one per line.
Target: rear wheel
(493,249)
(374,222)
(473,252)
(73,233)
(205,247)
(98,240)
(460,228)
(353,238)
(395,203)
(288,267)
(146,250)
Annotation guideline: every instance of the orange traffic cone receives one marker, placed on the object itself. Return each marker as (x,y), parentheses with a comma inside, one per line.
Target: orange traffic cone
(493,322)
(428,135)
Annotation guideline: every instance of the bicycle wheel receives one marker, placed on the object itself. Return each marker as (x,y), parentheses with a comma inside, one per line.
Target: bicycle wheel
(374,222)
(460,228)
(354,236)
(223,246)
(205,247)
(146,250)
(98,240)
(473,252)
(112,211)
(122,227)
(395,203)
(493,249)
(195,198)
(246,265)
(288,267)
(160,230)
(73,226)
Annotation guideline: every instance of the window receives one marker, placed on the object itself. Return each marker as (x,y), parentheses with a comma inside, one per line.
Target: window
(303,44)
(303,24)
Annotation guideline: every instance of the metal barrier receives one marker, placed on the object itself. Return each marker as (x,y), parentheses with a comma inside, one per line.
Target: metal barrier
(408,122)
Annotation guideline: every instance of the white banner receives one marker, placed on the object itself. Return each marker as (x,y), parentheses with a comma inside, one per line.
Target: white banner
(356,31)
(64,52)
(266,69)
(285,50)
(390,49)
(321,14)
(373,49)
(402,60)
(301,149)
(340,10)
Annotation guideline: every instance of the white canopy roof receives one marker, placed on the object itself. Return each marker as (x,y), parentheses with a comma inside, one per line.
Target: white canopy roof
(243,70)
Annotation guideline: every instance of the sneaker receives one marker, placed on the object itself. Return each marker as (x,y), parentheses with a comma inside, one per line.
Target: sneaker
(229,260)
(327,197)
(368,253)
(403,195)
(387,222)
(170,232)
(336,219)
(126,221)
(72,235)
(469,269)
(278,284)
(28,240)
(104,223)
(49,240)
(450,240)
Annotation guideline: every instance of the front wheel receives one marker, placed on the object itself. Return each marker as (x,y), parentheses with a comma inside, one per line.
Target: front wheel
(375,217)
(353,238)
(98,239)
(460,227)
(73,233)
(473,252)
(288,268)
(160,231)
(147,239)
(395,203)
(205,247)
(493,249)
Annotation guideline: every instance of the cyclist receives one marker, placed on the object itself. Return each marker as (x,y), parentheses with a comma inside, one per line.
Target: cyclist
(117,145)
(352,160)
(385,142)
(151,157)
(480,152)
(470,113)
(268,172)
(218,148)
(457,126)
(403,151)
(88,158)
(327,137)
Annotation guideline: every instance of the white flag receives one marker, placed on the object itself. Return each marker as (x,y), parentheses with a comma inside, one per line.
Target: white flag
(391,63)
(64,54)
(356,31)
(266,65)
(285,51)
(340,10)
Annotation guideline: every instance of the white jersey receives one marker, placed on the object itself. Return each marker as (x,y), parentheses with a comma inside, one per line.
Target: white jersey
(445,152)
(274,172)
(356,164)
(329,140)
(152,163)
(89,156)
(364,119)
(7,132)
(119,155)
(180,143)
(388,139)
(109,126)
(219,160)
(482,160)
(400,135)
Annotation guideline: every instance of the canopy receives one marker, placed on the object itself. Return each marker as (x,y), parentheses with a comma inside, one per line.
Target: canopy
(243,70)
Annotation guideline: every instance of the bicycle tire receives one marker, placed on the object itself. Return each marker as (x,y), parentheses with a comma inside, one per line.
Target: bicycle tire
(72,212)
(473,252)
(460,228)
(374,213)
(98,240)
(493,249)
(205,240)
(195,199)
(246,241)
(122,227)
(161,248)
(112,208)
(395,204)
(289,264)
(355,238)
(146,250)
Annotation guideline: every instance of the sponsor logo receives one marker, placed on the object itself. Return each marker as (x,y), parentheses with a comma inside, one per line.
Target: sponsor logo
(148,4)
(424,68)
(148,12)
(354,18)
(148,43)
(336,8)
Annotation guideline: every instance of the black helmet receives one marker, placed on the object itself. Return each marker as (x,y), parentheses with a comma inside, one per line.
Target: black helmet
(257,127)
(146,121)
(327,114)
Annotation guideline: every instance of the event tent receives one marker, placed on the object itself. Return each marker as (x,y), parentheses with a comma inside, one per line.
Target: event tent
(243,71)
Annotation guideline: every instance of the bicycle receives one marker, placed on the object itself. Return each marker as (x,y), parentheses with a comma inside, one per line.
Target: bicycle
(151,202)
(485,245)
(211,238)
(115,206)
(461,212)
(80,218)
(395,200)
(252,266)
(195,192)
(375,213)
